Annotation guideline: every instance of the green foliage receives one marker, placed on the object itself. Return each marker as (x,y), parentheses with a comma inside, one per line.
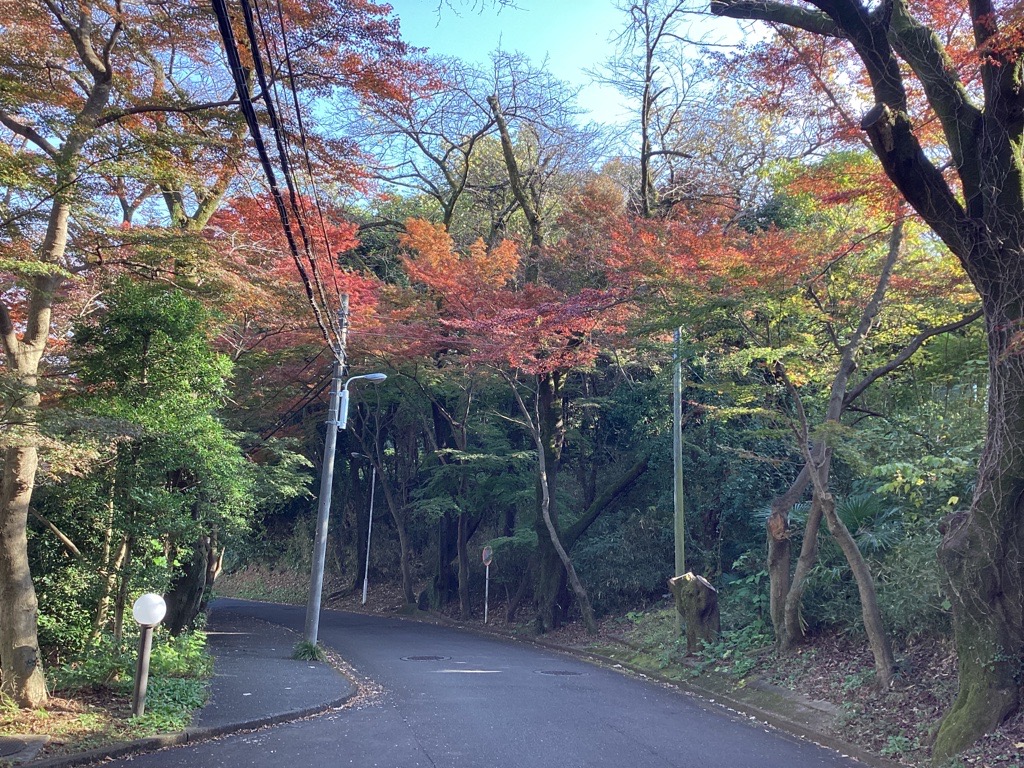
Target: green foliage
(626,559)
(744,598)
(113,666)
(66,593)
(170,705)
(910,588)
(183,656)
(736,651)
(163,470)
(874,524)
(654,635)
(103,665)
(511,556)
(899,745)
(151,342)
(308,651)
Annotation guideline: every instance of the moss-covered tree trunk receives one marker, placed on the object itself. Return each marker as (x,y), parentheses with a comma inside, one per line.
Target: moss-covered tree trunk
(982,551)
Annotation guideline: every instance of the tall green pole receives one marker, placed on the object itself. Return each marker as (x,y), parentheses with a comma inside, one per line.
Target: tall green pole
(677,457)
(677,466)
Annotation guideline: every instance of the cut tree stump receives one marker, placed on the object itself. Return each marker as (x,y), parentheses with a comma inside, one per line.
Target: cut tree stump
(697,603)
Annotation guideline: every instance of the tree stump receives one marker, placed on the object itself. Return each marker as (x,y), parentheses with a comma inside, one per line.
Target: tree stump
(697,603)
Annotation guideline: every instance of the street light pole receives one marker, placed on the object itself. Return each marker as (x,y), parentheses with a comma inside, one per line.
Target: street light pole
(337,419)
(323,513)
(369,533)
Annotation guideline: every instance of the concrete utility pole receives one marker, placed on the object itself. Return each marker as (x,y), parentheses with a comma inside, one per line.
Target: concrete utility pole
(677,457)
(323,514)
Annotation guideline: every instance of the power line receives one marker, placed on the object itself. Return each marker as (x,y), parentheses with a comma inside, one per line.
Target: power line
(304,145)
(252,121)
(269,91)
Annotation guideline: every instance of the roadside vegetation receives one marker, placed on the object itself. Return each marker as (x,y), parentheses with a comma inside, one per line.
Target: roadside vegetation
(752,334)
(91,699)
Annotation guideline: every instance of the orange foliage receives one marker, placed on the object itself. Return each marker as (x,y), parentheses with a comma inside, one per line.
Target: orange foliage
(473,304)
(255,266)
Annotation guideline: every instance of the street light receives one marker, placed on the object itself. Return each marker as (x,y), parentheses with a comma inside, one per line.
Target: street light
(376,378)
(337,419)
(369,528)
(149,610)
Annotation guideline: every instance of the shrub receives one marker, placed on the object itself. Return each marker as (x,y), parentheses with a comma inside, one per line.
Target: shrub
(910,591)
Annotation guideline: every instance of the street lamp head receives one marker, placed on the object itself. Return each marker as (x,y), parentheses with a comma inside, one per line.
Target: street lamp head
(149,610)
(374,378)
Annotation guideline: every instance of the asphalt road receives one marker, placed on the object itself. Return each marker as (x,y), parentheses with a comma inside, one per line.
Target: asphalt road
(451,699)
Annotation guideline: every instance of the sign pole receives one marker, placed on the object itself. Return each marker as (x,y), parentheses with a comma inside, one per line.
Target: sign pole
(369,533)
(486,556)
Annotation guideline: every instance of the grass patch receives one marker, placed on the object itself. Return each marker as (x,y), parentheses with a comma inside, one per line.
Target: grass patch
(307,651)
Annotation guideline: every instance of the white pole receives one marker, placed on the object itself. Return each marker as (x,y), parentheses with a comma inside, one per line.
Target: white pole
(487,588)
(369,532)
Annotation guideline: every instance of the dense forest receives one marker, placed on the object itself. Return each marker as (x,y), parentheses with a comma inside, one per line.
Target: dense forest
(797,264)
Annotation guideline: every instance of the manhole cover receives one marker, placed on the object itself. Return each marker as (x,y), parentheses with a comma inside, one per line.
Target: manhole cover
(425,658)
(558,672)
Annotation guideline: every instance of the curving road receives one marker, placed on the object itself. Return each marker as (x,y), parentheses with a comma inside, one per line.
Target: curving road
(454,699)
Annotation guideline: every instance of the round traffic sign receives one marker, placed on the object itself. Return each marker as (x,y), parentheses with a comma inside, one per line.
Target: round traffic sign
(487,555)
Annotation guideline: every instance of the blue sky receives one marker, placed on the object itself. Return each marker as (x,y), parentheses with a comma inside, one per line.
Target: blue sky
(573,34)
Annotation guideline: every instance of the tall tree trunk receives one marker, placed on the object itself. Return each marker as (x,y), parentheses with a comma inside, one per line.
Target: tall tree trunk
(878,640)
(550,571)
(188,587)
(465,610)
(819,460)
(780,546)
(547,426)
(818,463)
(112,570)
(20,665)
(983,549)
(793,628)
(21,671)
(574,580)
(981,220)
(405,555)
(122,591)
